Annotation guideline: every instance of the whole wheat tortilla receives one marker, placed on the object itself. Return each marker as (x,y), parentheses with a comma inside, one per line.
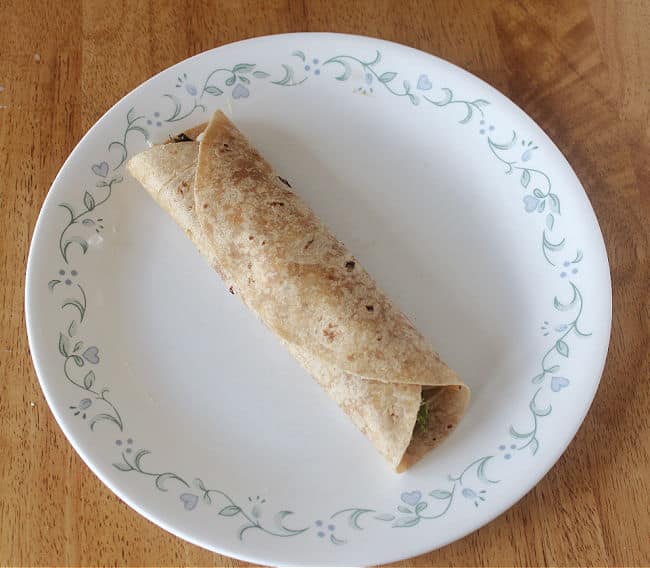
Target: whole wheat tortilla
(275,254)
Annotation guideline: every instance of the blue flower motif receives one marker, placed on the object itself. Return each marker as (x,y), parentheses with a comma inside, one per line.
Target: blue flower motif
(190,89)
(83,405)
(528,151)
(559,383)
(129,443)
(240,92)
(321,533)
(316,70)
(411,498)
(424,83)
(530,203)
(256,510)
(474,496)
(91,354)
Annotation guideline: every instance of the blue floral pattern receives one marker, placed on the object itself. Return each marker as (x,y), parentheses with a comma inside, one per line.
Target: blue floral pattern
(81,362)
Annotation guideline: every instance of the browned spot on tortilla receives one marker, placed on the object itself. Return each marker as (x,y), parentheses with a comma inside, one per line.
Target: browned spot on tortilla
(206,205)
(350,265)
(250,237)
(309,243)
(231,290)
(250,265)
(263,242)
(450,426)
(379,338)
(370,307)
(284,181)
(276,204)
(329,332)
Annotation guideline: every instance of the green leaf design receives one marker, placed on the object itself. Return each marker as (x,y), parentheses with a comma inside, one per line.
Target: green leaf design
(553,369)
(354,517)
(468,116)
(280,516)
(230,511)
(554,203)
(164,477)
(562,348)
(406,522)
(260,74)
(384,517)
(288,76)
(74,240)
(64,345)
(541,206)
(420,507)
(230,81)
(534,446)
(70,210)
(138,458)
(553,246)
(407,86)
(52,283)
(515,434)
(550,221)
(578,257)
(78,360)
(440,494)
(214,91)
(538,193)
(243,79)
(538,378)
(376,60)
(387,77)
(403,509)
(243,68)
(562,307)
(297,53)
(77,346)
(122,466)
(89,379)
(75,304)
(89,201)
(337,541)
(72,328)
(480,471)
(537,411)
(104,417)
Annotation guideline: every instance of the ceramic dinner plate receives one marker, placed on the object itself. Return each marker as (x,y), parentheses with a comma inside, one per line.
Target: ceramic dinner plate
(192,412)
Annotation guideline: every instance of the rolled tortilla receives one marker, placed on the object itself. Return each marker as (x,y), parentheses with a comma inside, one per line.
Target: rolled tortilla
(275,254)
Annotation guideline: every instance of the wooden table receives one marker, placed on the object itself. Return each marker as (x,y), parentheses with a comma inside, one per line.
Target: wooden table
(581,69)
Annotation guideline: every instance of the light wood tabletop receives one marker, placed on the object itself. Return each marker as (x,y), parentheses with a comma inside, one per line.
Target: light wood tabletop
(580,68)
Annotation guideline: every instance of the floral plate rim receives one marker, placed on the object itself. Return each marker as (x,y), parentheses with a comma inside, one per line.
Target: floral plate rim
(412,505)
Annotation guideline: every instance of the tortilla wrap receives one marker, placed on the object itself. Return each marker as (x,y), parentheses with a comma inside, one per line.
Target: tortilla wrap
(272,251)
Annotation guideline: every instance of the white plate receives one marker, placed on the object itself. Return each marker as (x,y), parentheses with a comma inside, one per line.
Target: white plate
(191,411)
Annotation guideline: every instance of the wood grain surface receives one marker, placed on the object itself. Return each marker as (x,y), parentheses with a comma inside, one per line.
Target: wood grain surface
(580,68)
